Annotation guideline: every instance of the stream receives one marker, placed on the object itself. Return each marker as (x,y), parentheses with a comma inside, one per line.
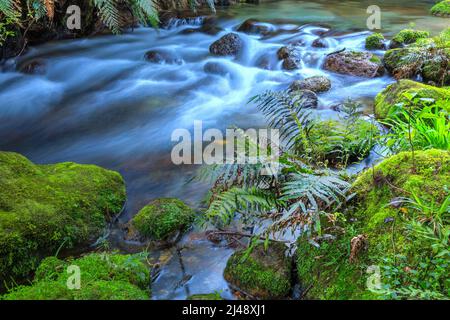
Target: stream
(100,102)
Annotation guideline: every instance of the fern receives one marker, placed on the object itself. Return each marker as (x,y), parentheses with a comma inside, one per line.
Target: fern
(285,111)
(242,200)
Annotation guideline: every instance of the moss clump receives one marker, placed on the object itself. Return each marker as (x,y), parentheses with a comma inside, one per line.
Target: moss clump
(408,36)
(43,207)
(208,296)
(103,277)
(375,41)
(162,218)
(337,144)
(393,94)
(329,269)
(441,9)
(263,273)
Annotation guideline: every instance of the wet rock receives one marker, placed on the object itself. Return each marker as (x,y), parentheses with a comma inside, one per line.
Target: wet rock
(319,43)
(355,63)
(264,274)
(253,26)
(316,84)
(309,98)
(229,45)
(37,67)
(162,57)
(291,57)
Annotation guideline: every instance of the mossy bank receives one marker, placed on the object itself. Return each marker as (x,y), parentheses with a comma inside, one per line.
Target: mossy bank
(102,277)
(372,231)
(47,207)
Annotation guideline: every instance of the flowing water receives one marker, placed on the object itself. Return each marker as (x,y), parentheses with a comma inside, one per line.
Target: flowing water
(100,102)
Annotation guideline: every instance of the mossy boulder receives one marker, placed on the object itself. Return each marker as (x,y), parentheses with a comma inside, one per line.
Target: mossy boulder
(102,277)
(433,69)
(375,42)
(262,273)
(207,297)
(44,207)
(162,219)
(393,94)
(338,144)
(441,9)
(329,270)
(407,36)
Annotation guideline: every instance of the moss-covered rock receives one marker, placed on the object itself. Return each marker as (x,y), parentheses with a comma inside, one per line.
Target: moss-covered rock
(329,269)
(407,36)
(393,94)
(102,277)
(43,207)
(263,273)
(335,143)
(433,65)
(375,41)
(162,218)
(207,296)
(441,9)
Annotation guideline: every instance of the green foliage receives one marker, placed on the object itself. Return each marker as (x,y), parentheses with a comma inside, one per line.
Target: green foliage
(103,277)
(44,207)
(419,124)
(6,29)
(162,218)
(339,143)
(441,8)
(375,41)
(207,297)
(408,36)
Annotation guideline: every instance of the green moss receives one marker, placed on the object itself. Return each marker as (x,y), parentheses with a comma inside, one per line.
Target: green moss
(328,268)
(103,277)
(409,36)
(162,218)
(393,94)
(375,41)
(332,142)
(208,296)
(263,273)
(441,9)
(45,206)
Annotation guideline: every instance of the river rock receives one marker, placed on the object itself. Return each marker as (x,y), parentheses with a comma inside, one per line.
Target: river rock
(253,26)
(213,67)
(162,57)
(33,67)
(229,45)
(264,274)
(316,84)
(161,222)
(309,98)
(319,43)
(291,57)
(354,63)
